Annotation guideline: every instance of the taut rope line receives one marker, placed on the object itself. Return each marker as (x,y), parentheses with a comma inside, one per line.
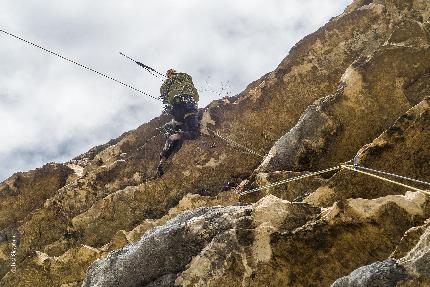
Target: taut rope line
(118,81)
(80,65)
(290,180)
(234,143)
(392,174)
(349,167)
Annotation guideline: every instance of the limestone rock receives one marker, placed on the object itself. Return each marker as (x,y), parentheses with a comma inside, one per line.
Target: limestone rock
(303,143)
(405,142)
(43,270)
(29,190)
(409,240)
(410,270)
(311,71)
(387,273)
(268,243)
(173,246)
(337,90)
(416,262)
(20,195)
(335,127)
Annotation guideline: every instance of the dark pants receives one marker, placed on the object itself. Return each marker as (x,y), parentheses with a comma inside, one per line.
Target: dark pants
(186,124)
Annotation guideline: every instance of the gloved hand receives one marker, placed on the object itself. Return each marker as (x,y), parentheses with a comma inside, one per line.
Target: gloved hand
(167,110)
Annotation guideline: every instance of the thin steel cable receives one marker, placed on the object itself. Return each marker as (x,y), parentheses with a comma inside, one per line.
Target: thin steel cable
(290,180)
(159,132)
(162,77)
(351,167)
(80,65)
(392,174)
(150,70)
(234,143)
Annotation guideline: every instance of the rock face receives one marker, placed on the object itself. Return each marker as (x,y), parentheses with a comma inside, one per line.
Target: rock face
(29,191)
(416,262)
(410,270)
(174,245)
(406,141)
(356,88)
(331,129)
(270,241)
(387,273)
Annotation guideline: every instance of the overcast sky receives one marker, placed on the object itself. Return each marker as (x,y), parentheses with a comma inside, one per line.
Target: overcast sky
(51,110)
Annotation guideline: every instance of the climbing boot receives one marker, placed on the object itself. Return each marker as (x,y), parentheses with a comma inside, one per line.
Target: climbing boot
(160,171)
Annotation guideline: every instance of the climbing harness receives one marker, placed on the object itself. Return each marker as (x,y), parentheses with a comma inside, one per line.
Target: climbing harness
(234,143)
(157,74)
(80,65)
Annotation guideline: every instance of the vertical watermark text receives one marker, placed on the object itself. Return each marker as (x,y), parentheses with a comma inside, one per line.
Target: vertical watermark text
(13,254)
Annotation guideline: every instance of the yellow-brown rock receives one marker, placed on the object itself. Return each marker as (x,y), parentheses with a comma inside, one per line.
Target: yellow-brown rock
(358,86)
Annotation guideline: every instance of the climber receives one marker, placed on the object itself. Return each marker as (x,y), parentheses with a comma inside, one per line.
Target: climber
(180,98)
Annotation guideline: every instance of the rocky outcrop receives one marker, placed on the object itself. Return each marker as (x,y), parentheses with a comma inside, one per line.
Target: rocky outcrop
(387,273)
(416,262)
(29,191)
(334,128)
(21,194)
(269,243)
(405,142)
(70,266)
(357,86)
(410,270)
(173,245)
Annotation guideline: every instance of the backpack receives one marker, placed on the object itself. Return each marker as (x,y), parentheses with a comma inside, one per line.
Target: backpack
(178,84)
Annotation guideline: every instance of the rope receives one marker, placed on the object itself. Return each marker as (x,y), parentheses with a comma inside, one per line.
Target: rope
(154,74)
(350,167)
(80,65)
(234,143)
(150,70)
(290,180)
(160,131)
(162,77)
(392,174)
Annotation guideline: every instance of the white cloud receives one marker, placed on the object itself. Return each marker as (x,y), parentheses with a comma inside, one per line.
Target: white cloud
(51,110)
